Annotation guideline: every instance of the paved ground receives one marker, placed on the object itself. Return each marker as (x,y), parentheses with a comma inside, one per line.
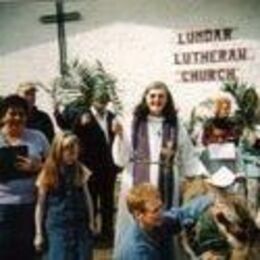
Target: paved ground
(103,254)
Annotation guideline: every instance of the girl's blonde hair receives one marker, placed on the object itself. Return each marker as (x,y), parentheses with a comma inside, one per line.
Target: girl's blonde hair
(48,178)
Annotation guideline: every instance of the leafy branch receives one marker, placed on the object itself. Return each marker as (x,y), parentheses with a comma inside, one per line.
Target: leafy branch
(246,99)
(76,89)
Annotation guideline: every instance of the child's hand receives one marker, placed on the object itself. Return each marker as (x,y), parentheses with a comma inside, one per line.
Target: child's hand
(38,242)
(93,228)
(117,128)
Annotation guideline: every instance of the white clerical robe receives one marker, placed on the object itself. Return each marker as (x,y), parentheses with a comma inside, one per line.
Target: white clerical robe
(186,164)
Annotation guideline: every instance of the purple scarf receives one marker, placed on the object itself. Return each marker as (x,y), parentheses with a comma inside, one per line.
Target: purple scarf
(141,158)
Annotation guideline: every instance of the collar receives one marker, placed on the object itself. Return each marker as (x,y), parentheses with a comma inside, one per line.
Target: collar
(96,114)
(147,236)
(155,119)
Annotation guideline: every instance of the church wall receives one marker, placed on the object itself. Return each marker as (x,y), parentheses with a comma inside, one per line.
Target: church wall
(137,41)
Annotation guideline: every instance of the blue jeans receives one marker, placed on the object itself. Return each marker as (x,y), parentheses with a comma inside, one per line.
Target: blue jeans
(70,245)
(16,232)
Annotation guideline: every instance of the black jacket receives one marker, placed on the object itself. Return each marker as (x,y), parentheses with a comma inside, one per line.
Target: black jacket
(40,120)
(95,150)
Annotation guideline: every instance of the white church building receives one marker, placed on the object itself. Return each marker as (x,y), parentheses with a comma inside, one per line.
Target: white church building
(192,45)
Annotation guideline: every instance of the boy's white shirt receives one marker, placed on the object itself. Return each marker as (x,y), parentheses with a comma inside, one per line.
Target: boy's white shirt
(102,121)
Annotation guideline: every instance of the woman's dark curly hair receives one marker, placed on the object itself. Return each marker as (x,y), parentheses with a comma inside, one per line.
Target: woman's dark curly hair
(13,101)
(169,112)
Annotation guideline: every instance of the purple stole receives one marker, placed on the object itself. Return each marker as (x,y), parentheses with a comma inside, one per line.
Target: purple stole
(141,158)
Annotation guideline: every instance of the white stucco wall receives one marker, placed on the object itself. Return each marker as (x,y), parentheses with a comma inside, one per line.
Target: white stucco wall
(134,39)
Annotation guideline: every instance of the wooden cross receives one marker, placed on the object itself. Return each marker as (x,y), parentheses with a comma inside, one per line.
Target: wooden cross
(60,18)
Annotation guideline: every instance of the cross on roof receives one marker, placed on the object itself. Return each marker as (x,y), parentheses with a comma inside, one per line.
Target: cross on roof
(60,18)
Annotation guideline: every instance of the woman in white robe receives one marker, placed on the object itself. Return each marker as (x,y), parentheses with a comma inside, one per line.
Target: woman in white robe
(155,148)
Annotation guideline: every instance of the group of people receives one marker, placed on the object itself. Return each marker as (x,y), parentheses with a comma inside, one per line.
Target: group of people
(45,201)
(74,173)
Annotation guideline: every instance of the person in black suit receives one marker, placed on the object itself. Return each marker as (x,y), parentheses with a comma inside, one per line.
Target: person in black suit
(94,130)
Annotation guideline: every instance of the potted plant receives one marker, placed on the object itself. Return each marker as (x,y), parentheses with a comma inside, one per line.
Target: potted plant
(247,113)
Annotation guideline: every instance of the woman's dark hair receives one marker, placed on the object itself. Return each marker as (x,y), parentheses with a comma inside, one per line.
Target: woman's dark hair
(169,112)
(13,101)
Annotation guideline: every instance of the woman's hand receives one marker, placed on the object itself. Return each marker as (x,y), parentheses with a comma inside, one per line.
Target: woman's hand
(28,164)
(38,242)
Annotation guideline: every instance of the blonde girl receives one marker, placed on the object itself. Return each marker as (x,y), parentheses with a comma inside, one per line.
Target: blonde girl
(64,208)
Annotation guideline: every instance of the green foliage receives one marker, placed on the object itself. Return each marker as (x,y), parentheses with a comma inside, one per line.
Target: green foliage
(247,102)
(76,90)
(246,115)
(82,82)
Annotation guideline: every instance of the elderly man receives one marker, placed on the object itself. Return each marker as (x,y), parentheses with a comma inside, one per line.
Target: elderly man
(37,119)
